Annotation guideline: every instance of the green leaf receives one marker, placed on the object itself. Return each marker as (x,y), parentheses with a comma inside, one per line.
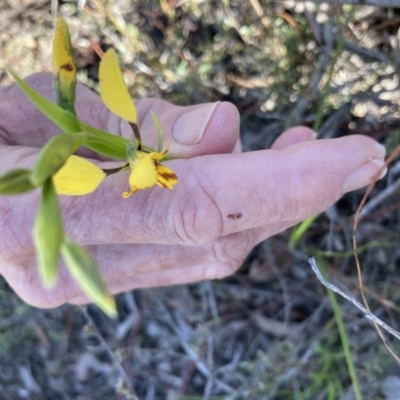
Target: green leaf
(100,146)
(106,143)
(54,155)
(85,271)
(300,230)
(344,337)
(66,121)
(16,181)
(48,235)
(160,132)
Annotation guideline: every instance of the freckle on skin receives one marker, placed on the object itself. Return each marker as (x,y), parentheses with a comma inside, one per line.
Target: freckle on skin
(235,216)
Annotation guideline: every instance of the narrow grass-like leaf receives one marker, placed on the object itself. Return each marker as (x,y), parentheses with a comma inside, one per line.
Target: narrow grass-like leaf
(160,133)
(48,235)
(300,229)
(85,271)
(54,155)
(16,181)
(362,249)
(343,335)
(65,120)
(64,68)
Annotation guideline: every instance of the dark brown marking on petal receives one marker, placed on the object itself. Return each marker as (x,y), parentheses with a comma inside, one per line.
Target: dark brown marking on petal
(67,66)
(163,184)
(168,176)
(235,216)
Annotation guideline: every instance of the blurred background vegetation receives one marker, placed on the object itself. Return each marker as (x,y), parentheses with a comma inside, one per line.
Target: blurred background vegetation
(269,331)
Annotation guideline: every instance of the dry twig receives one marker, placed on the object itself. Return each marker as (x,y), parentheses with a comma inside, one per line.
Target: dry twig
(340,292)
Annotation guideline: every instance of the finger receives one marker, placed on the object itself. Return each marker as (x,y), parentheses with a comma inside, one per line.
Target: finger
(210,128)
(293,136)
(231,250)
(127,267)
(222,194)
(170,277)
(122,267)
(203,129)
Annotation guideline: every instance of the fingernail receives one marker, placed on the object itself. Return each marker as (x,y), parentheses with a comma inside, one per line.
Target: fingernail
(381,149)
(190,127)
(364,175)
(314,136)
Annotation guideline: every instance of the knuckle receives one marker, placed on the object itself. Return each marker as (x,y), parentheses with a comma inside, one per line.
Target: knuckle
(220,270)
(199,218)
(229,253)
(233,247)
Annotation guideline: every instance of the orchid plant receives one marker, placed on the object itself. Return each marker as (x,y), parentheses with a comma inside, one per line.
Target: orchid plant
(58,171)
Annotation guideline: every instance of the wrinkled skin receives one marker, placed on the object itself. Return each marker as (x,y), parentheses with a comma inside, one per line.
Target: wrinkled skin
(224,204)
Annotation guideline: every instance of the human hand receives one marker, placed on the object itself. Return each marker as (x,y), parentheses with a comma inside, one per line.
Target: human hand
(224,204)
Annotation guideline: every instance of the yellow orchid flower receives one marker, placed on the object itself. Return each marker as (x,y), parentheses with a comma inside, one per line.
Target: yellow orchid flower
(146,169)
(60,172)
(148,172)
(78,176)
(64,68)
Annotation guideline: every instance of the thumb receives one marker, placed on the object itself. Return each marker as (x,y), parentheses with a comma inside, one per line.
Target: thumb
(210,128)
(190,131)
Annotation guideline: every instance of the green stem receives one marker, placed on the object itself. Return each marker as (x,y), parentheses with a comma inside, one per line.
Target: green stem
(343,334)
